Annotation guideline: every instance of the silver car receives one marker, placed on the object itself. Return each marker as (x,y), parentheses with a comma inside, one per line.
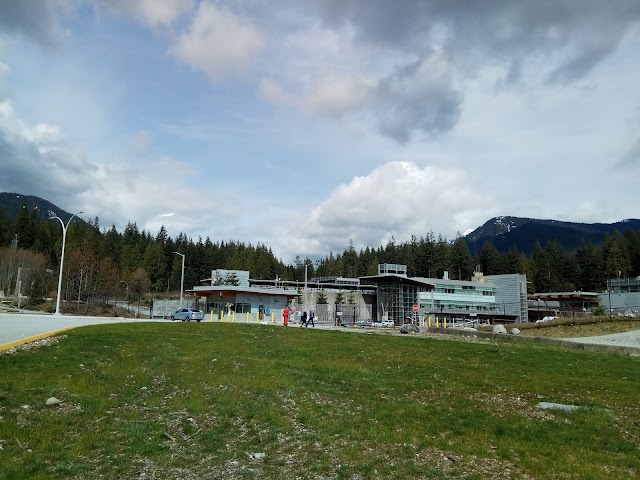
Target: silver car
(187,314)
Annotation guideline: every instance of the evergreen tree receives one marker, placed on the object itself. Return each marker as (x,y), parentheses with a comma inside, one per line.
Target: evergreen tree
(591,268)
(490,260)
(461,264)
(321,298)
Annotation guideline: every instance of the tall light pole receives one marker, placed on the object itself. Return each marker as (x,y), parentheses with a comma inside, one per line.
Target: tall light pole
(64,239)
(306,306)
(181,278)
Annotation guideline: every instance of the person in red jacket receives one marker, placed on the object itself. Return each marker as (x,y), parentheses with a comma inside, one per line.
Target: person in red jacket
(285,316)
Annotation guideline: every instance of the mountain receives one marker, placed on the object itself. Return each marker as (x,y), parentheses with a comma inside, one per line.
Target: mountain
(11,204)
(505,232)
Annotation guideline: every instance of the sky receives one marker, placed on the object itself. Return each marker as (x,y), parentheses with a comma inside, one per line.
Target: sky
(304,125)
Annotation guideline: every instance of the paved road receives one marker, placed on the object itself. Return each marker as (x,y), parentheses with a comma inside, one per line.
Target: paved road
(14,327)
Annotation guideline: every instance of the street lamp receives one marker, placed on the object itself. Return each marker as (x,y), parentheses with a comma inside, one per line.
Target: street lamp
(127,284)
(306,306)
(64,239)
(182,278)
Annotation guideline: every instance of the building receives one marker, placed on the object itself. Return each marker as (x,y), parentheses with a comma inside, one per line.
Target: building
(557,303)
(510,294)
(487,298)
(230,293)
(389,295)
(397,294)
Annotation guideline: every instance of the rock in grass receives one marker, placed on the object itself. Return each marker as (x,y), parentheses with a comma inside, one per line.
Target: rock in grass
(409,327)
(499,329)
(52,401)
(515,331)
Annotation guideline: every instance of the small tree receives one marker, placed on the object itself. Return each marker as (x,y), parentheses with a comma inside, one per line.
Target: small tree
(339,298)
(321,299)
(231,279)
(139,283)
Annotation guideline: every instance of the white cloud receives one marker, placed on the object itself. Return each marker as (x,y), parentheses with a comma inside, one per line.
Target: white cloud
(219,42)
(39,160)
(397,199)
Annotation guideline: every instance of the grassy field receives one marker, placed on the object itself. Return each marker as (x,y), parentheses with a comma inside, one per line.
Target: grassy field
(233,401)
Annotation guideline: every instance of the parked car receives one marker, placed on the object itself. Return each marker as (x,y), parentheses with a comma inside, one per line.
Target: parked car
(187,314)
(364,323)
(388,323)
(549,318)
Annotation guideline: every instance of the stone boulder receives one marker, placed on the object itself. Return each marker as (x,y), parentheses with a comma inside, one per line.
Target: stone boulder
(515,331)
(499,329)
(409,328)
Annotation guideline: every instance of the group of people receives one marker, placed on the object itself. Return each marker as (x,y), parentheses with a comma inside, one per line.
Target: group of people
(304,319)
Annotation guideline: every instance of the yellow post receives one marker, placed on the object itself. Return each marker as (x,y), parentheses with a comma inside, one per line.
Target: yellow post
(247,317)
(273,317)
(429,321)
(444,322)
(233,316)
(437,322)
(211,316)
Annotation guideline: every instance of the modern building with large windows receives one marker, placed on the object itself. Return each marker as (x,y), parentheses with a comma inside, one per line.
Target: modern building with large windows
(389,295)
(497,297)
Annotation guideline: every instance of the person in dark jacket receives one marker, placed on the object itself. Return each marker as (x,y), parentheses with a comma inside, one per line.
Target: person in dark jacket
(312,315)
(303,319)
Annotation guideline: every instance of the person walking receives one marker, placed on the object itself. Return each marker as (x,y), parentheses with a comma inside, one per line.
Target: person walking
(312,315)
(285,317)
(303,319)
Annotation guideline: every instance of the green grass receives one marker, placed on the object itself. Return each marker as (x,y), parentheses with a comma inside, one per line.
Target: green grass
(185,400)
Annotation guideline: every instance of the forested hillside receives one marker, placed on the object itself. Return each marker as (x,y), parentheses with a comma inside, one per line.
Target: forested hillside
(99,263)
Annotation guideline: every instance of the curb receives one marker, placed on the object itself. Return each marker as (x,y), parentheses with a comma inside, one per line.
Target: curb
(33,338)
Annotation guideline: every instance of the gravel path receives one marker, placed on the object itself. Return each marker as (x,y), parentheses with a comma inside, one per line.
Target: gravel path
(625,339)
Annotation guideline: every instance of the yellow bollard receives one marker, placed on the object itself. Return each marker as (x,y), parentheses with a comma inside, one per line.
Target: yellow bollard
(273,317)
(233,316)
(437,322)
(444,322)
(211,316)
(429,321)
(247,317)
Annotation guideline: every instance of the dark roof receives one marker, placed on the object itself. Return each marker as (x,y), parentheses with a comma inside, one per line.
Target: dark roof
(565,296)
(392,278)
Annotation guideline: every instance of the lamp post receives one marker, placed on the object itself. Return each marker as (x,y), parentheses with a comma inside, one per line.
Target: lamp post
(127,284)
(305,286)
(182,277)
(64,239)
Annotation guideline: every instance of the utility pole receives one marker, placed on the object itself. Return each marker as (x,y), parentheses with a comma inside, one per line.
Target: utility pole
(182,277)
